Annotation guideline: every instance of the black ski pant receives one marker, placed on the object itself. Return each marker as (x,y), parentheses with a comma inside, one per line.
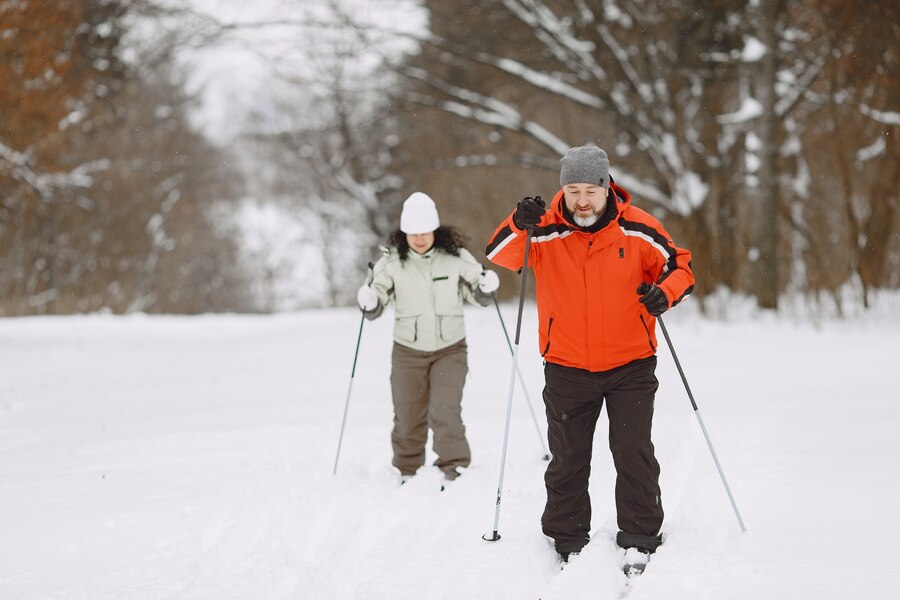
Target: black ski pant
(573,399)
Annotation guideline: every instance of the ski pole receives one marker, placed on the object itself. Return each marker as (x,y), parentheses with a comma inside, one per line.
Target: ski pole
(687,387)
(524,388)
(512,384)
(362,321)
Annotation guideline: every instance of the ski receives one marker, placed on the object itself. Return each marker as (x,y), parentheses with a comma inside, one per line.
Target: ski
(633,564)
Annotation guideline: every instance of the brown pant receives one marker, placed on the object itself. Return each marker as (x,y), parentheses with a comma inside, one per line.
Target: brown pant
(427,390)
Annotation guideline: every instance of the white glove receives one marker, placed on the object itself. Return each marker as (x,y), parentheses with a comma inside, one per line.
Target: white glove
(367,298)
(488,282)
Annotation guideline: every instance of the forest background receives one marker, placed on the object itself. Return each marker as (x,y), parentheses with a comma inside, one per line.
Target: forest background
(176,156)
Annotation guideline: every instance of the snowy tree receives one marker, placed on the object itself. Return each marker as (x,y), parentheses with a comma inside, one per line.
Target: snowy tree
(704,109)
(320,137)
(105,187)
(843,133)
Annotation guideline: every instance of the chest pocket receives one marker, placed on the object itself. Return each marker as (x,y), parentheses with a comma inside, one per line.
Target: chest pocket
(445,285)
(448,301)
(412,293)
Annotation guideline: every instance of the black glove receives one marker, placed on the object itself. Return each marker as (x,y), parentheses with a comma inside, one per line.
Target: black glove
(529,212)
(653,298)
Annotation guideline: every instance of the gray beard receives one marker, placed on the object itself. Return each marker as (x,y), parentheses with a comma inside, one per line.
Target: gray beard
(586,221)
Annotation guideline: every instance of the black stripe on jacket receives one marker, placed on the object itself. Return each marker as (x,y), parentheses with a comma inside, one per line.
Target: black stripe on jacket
(686,293)
(539,234)
(660,240)
(547,231)
(501,236)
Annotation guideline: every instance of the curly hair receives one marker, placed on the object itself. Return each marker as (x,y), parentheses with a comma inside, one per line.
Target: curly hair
(446,237)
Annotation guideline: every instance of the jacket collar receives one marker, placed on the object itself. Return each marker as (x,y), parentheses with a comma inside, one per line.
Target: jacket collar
(618,194)
(428,254)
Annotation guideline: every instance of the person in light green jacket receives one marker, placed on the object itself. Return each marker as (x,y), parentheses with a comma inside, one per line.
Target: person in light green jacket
(426,273)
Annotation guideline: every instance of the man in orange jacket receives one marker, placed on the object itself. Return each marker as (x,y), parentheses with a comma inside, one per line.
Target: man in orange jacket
(590,252)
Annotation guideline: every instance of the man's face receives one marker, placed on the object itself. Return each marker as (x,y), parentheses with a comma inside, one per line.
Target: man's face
(420,242)
(586,202)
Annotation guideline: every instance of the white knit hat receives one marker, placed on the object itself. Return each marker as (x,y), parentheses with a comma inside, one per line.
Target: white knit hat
(419,215)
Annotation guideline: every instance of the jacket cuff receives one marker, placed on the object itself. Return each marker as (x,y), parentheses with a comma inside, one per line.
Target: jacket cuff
(482,298)
(668,296)
(373,314)
(512,223)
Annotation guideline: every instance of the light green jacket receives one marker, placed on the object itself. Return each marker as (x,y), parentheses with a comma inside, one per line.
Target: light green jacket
(427,291)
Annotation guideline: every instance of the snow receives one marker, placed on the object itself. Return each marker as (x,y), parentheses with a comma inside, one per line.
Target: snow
(876,148)
(750,109)
(191,458)
(272,45)
(280,245)
(690,193)
(888,117)
(547,82)
(753,50)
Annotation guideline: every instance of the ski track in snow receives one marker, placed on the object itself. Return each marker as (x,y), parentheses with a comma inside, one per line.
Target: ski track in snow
(191,458)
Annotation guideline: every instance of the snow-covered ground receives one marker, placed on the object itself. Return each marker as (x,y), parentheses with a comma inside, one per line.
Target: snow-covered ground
(191,458)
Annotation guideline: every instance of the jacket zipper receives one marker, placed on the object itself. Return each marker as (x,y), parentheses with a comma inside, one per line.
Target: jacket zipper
(599,315)
(649,337)
(547,347)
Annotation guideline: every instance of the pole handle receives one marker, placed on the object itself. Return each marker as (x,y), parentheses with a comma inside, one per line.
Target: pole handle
(370,277)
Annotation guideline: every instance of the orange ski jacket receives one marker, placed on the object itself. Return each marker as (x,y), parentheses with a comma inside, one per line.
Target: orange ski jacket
(589,313)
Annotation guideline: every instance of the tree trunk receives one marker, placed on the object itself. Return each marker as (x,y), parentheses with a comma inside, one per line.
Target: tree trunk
(766,272)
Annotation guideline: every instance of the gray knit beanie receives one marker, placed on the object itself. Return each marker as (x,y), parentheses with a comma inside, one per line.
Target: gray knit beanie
(584,164)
